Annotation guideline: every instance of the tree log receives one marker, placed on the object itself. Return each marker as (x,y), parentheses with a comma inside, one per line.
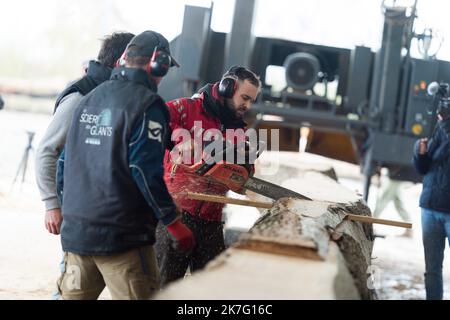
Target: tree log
(299,249)
(304,229)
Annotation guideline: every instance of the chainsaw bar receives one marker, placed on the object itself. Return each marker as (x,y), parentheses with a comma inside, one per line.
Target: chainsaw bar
(271,190)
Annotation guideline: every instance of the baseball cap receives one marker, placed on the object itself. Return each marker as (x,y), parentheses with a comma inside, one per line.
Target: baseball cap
(145,43)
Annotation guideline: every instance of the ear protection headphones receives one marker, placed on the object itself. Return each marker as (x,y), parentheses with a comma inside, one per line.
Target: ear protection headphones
(121,61)
(159,63)
(229,83)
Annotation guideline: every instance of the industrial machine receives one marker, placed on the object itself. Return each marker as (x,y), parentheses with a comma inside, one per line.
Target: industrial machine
(362,107)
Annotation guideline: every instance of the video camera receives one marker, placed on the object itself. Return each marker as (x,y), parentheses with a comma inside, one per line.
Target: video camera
(440,91)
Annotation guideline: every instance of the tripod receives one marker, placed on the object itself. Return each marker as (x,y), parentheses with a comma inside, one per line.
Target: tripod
(24,162)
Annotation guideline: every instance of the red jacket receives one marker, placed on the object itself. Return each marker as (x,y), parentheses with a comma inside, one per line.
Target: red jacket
(184,112)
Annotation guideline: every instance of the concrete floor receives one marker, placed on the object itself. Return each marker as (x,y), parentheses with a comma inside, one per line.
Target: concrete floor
(29,255)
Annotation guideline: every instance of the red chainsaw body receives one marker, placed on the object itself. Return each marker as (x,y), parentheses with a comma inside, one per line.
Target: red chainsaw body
(233,176)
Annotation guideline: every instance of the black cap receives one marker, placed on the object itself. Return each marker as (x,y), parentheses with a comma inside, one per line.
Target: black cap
(145,44)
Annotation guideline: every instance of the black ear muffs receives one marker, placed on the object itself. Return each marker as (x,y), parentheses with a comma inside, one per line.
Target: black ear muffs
(228,86)
(160,63)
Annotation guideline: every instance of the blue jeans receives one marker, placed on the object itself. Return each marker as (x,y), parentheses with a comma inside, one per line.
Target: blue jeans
(435,228)
(62,268)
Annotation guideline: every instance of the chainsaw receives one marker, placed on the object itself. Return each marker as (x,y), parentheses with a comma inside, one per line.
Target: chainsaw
(237,178)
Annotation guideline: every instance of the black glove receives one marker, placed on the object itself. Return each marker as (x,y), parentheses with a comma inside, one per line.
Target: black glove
(243,154)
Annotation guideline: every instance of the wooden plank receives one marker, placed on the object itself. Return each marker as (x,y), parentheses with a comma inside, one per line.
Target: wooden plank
(268,205)
(365,219)
(225,200)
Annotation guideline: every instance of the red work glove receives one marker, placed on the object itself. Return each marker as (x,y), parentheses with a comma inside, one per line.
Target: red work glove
(184,237)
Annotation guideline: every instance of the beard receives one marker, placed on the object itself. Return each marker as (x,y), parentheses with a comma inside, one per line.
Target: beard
(238,111)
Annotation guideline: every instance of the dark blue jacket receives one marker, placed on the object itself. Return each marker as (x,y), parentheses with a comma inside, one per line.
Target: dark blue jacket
(435,166)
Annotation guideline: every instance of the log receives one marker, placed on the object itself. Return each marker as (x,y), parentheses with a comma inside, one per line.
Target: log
(304,229)
(298,249)
(249,275)
(308,178)
(291,165)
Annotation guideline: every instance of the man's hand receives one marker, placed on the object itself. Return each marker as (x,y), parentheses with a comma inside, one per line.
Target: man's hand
(184,238)
(423,146)
(53,220)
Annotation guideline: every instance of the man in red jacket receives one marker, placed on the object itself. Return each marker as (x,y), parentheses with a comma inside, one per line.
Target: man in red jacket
(216,108)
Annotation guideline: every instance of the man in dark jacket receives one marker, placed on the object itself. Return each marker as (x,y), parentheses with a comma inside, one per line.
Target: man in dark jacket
(432,159)
(114,191)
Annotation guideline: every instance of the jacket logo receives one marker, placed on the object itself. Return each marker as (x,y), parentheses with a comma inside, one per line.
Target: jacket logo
(105,118)
(98,125)
(155,131)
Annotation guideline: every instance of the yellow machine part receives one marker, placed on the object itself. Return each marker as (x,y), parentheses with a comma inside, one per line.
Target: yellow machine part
(333,145)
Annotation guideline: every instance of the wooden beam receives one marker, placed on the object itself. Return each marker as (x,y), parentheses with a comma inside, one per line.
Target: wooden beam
(365,219)
(220,199)
(269,205)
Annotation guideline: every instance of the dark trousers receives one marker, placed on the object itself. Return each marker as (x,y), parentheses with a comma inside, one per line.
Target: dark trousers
(209,243)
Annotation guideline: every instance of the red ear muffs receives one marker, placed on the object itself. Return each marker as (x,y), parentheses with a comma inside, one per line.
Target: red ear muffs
(159,64)
(228,86)
(149,67)
(121,60)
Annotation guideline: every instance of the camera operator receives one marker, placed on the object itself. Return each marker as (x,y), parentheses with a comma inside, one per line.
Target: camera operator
(432,159)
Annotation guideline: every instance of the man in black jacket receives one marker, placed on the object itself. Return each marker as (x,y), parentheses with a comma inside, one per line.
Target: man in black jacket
(114,192)
(432,159)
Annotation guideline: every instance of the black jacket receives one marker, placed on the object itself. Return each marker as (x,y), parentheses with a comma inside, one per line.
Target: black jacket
(96,74)
(104,210)
(435,166)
